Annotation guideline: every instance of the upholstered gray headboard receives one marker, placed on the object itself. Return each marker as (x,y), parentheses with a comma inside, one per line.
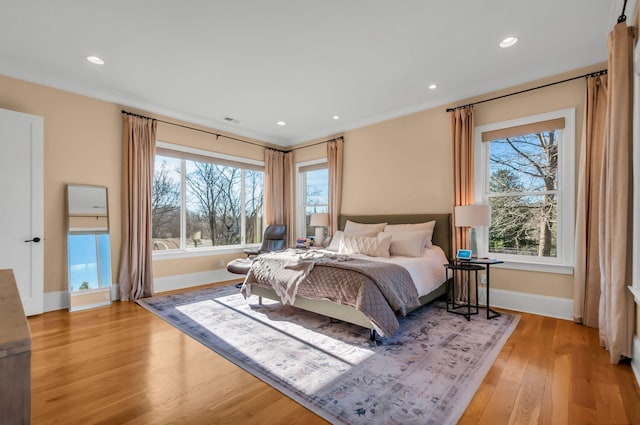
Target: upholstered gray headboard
(442,233)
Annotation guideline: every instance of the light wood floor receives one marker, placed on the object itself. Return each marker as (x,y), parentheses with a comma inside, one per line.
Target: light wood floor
(122,364)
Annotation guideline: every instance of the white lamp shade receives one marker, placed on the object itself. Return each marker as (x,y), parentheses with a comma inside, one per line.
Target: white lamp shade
(319,219)
(472,215)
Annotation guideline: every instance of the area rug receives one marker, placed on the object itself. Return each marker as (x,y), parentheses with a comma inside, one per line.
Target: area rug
(426,373)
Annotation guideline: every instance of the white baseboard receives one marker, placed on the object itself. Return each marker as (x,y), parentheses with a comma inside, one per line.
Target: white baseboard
(115,291)
(90,306)
(59,300)
(171,283)
(635,358)
(559,308)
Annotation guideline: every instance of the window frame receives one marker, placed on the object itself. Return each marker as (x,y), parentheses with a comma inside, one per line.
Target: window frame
(564,261)
(301,222)
(184,251)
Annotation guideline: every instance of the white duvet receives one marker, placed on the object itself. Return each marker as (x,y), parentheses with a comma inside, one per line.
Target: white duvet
(427,272)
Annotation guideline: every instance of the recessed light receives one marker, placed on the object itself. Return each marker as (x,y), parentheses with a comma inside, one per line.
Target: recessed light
(433,86)
(95,59)
(335,117)
(281,123)
(508,42)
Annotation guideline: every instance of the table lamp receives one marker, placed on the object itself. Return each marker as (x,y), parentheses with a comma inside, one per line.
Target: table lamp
(473,216)
(319,221)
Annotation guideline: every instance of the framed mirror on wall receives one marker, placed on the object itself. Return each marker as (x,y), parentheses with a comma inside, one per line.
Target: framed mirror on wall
(88,247)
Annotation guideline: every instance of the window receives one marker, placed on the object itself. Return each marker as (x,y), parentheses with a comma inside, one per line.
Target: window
(204,201)
(313,193)
(525,171)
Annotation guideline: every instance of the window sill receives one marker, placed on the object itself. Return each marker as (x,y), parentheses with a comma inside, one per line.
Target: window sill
(636,293)
(535,267)
(200,252)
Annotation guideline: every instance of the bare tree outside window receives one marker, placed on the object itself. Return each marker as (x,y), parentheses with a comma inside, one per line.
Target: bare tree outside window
(165,204)
(316,195)
(213,203)
(523,192)
(254,184)
(219,200)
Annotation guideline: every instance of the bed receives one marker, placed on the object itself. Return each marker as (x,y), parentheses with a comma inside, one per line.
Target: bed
(441,239)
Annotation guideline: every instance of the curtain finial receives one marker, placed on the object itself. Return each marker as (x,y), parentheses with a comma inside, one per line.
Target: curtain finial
(623,17)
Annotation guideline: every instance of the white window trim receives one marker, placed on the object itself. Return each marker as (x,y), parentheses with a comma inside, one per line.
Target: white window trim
(564,263)
(301,224)
(201,252)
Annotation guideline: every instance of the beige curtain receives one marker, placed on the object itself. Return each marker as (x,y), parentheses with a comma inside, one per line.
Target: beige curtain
(616,318)
(586,275)
(462,142)
(138,152)
(334,163)
(278,168)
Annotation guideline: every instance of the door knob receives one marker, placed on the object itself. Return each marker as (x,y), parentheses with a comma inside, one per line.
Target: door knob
(36,240)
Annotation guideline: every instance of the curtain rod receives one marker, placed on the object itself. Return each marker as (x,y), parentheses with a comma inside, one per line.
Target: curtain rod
(227,137)
(591,74)
(200,130)
(623,17)
(315,144)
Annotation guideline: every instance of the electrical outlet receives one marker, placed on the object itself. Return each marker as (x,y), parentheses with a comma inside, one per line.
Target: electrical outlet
(221,263)
(483,278)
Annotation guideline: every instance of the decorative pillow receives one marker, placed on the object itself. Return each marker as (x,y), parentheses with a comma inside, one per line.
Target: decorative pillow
(417,227)
(408,244)
(373,247)
(360,228)
(335,241)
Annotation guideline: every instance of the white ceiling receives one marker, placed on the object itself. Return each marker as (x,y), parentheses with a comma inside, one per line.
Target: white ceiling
(302,62)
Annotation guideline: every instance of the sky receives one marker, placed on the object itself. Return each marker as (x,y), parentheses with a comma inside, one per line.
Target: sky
(317,182)
(83,260)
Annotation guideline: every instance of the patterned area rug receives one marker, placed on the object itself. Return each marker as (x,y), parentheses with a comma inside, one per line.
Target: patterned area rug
(426,373)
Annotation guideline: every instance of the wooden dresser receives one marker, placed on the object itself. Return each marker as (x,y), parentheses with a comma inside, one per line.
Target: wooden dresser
(15,355)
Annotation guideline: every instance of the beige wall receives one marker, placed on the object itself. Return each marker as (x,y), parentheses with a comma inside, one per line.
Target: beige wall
(404,165)
(83,138)
(396,166)
(399,166)
(566,95)
(196,139)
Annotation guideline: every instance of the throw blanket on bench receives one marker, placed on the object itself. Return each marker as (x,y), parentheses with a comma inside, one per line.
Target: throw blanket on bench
(377,289)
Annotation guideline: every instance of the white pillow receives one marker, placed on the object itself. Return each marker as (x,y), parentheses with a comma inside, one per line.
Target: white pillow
(361,228)
(408,244)
(373,247)
(417,227)
(335,241)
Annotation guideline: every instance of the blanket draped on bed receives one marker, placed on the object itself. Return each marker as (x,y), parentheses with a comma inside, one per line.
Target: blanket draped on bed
(377,289)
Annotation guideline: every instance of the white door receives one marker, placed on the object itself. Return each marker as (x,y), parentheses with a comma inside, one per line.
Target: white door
(22,204)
